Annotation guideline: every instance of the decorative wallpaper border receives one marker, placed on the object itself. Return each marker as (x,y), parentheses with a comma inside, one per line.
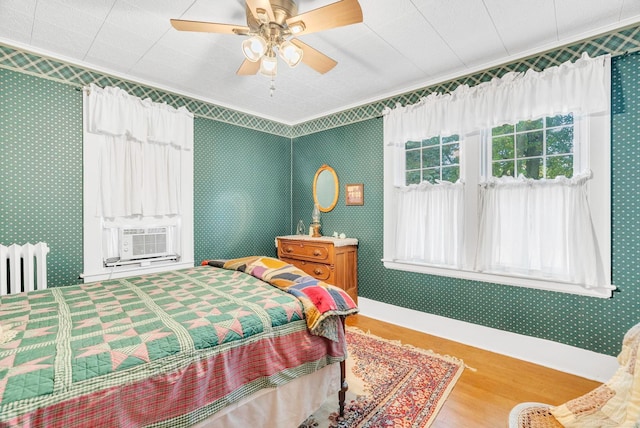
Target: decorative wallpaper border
(53,69)
(616,42)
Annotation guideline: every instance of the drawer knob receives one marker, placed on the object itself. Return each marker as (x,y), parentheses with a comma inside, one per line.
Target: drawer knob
(317,271)
(316,252)
(289,250)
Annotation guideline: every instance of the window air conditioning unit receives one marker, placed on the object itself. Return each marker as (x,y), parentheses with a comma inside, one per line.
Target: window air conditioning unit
(143,243)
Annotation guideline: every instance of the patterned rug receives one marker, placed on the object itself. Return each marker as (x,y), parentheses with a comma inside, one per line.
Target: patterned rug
(390,385)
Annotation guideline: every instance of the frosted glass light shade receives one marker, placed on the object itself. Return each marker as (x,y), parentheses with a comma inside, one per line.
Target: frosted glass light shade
(254,48)
(269,66)
(290,53)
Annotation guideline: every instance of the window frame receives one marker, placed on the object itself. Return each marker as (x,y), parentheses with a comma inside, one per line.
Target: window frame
(94,227)
(473,167)
(576,125)
(420,149)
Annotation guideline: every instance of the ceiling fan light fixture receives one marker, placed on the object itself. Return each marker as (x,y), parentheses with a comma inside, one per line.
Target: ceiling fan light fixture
(269,66)
(254,48)
(290,53)
(270,25)
(297,27)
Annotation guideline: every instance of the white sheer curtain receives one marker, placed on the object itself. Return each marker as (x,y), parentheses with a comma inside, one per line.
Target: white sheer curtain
(141,144)
(539,228)
(429,217)
(579,86)
(429,227)
(512,215)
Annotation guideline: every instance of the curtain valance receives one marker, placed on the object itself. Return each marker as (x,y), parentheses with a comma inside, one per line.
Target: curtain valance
(113,112)
(571,87)
(141,146)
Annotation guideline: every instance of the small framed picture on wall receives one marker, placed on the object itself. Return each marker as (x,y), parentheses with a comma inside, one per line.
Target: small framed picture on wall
(354,194)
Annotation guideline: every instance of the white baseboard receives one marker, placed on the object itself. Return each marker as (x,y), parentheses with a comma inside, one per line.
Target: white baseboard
(569,359)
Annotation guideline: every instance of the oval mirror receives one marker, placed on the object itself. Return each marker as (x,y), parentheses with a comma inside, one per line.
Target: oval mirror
(325,188)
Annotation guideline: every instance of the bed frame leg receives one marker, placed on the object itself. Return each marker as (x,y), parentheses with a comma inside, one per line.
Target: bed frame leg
(344,386)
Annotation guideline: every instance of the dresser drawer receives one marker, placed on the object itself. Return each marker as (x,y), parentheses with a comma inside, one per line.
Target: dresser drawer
(316,270)
(323,259)
(320,252)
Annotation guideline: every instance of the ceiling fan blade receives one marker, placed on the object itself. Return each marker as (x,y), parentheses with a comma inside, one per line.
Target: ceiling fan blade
(247,68)
(208,27)
(314,58)
(338,14)
(265,5)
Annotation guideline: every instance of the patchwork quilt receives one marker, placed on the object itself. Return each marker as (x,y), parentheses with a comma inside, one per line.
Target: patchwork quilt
(166,349)
(322,302)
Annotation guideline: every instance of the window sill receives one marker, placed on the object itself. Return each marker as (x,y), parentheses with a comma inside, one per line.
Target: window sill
(142,268)
(516,281)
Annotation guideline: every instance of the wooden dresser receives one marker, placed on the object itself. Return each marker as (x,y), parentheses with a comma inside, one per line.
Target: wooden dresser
(332,260)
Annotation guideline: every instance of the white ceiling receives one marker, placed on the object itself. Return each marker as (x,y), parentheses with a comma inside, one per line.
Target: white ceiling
(400,46)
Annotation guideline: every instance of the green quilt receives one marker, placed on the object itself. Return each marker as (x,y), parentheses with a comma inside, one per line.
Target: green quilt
(61,344)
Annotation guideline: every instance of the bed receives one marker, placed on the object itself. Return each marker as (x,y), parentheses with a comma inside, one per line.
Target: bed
(205,346)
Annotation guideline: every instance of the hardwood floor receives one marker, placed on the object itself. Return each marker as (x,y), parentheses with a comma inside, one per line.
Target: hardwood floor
(484,398)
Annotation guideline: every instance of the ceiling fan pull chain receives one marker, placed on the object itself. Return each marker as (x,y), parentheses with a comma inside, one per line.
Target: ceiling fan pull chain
(272,87)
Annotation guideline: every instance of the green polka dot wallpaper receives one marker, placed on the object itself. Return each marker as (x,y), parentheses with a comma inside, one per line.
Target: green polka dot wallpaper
(241,190)
(251,184)
(356,153)
(41,170)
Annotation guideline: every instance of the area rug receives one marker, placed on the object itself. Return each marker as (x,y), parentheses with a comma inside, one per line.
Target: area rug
(390,385)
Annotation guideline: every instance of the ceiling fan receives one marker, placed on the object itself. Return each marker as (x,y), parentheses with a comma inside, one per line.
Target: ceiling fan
(271,28)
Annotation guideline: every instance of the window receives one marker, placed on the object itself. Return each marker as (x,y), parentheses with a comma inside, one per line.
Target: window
(434,159)
(501,199)
(138,185)
(541,148)
(534,210)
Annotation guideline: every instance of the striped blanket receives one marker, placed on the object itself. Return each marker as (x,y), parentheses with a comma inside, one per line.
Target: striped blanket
(322,302)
